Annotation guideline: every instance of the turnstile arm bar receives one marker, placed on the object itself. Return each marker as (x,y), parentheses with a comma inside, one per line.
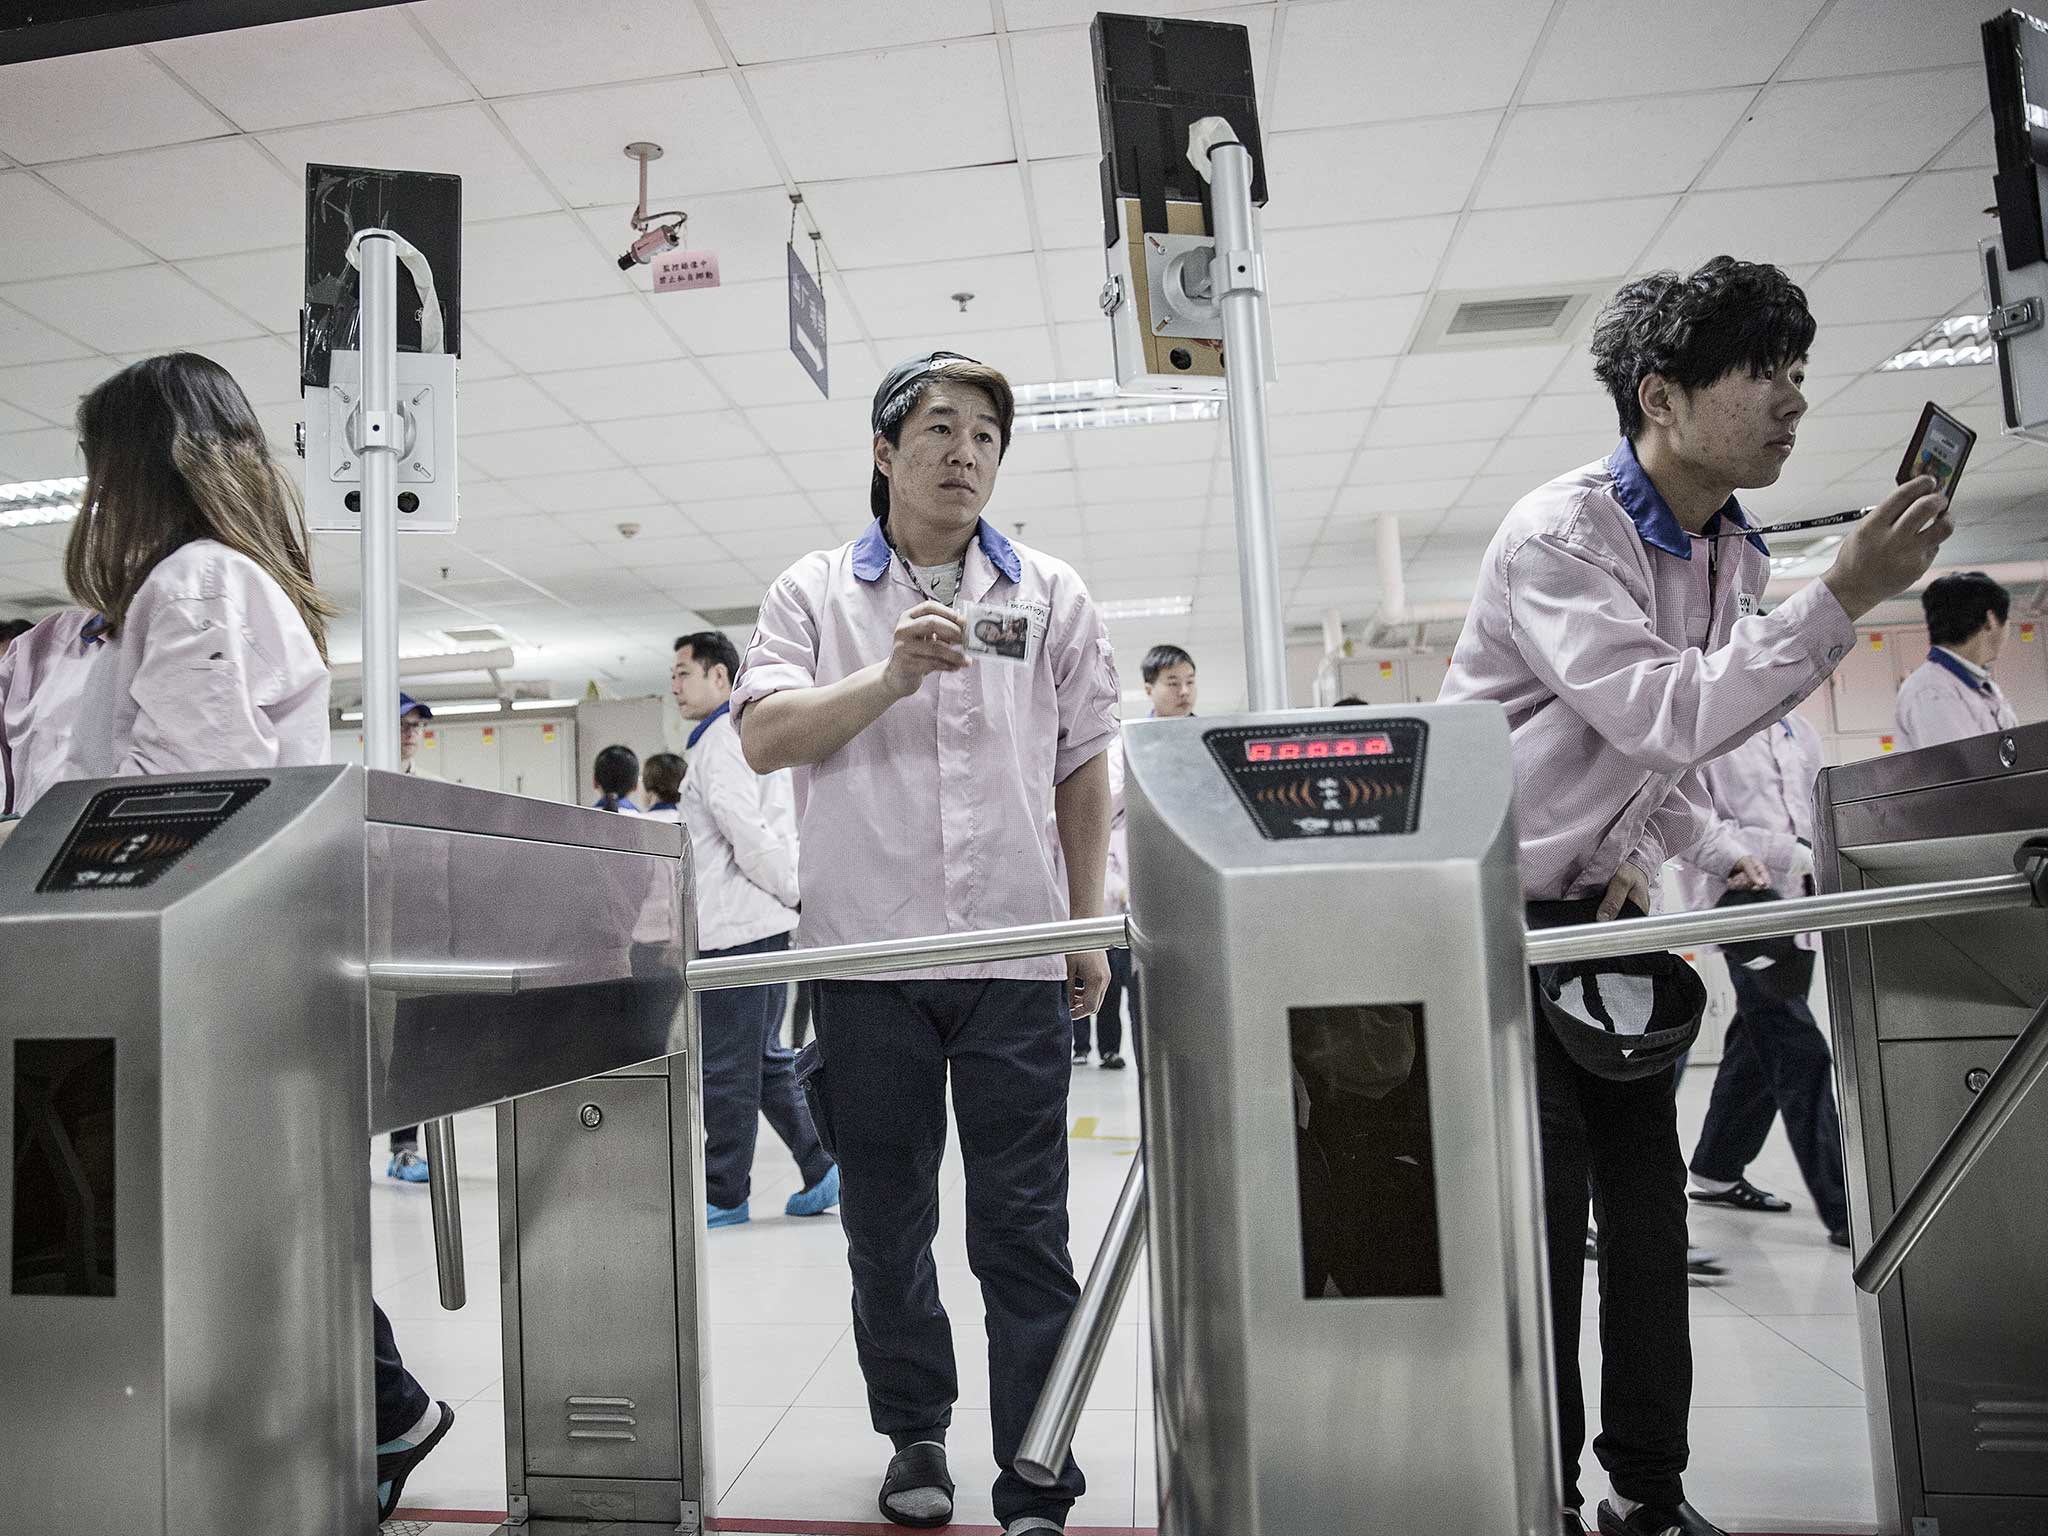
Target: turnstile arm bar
(1777,919)
(1050,1435)
(839,960)
(2024,1062)
(447,1212)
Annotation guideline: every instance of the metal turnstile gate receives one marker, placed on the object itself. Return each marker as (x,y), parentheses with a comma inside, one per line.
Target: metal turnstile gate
(277,965)
(1348,1287)
(1956,1351)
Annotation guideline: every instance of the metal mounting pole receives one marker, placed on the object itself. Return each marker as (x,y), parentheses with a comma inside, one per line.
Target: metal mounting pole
(1239,281)
(378,441)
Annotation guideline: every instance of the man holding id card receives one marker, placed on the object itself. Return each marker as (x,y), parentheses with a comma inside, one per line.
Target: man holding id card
(945,697)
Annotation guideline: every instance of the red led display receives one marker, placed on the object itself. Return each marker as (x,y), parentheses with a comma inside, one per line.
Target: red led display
(1288,749)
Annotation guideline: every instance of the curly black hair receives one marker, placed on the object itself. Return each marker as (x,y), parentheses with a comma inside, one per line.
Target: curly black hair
(1696,330)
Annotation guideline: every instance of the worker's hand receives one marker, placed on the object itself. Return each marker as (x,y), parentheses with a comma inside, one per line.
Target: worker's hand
(1749,874)
(1087,980)
(1890,549)
(1628,885)
(928,639)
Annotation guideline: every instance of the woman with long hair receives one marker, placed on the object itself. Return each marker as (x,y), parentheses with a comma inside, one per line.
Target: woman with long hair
(191,543)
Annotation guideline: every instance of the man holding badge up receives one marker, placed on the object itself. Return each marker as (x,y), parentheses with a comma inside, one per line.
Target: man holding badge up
(945,697)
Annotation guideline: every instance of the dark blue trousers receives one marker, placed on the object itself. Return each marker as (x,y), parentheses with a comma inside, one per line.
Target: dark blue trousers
(400,1399)
(1776,1062)
(748,1073)
(1109,1019)
(888,1049)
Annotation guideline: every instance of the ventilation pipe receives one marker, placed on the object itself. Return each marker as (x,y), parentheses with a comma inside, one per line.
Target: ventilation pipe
(1335,648)
(1395,615)
(2027,580)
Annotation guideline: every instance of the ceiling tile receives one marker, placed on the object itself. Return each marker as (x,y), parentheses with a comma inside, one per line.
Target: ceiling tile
(1331,386)
(1565,243)
(840,118)
(829,472)
(1076,278)
(882,221)
(607,394)
(1477,374)
(47,453)
(1032,493)
(1903,394)
(1834,432)
(14,419)
(783,512)
(761,30)
(681,438)
(267,367)
(48,237)
(507,405)
(1315,333)
(1783,225)
(1179,443)
(1068,197)
(1356,261)
(1444,463)
(1940,211)
(761,378)
(577,138)
(592,490)
(1850,349)
(1869,37)
(508,262)
(720,479)
(1108,487)
(1603,149)
(1898,288)
(547,450)
(814,424)
(497,183)
(914,300)
(739,317)
(192,200)
(1020,15)
(1973,147)
(1599,48)
(1085,351)
(267,286)
(1406,426)
(58,109)
(1314,431)
(1556,413)
(291,72)
(1056,93)
(51,390)
(144,309)
(506,47)
(1823,130)
(583,333)
(1540,459)
(1022,354)
(1378,170)
(1354,61)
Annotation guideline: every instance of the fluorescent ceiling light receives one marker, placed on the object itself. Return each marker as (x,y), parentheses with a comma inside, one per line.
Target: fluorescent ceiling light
(1958,342)
(1146,608)
(450,707)
(543,703)
(28,503)
(1798,564)
(1079,405)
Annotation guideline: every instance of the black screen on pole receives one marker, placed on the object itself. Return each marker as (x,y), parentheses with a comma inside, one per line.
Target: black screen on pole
(424,207)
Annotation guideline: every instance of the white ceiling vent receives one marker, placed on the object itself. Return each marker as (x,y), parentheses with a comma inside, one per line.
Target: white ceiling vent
(1518,317)
(477,637)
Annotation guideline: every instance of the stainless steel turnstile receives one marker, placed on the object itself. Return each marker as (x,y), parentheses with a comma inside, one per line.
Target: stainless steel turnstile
(1348,1288)
(1956,1351)
(267,967)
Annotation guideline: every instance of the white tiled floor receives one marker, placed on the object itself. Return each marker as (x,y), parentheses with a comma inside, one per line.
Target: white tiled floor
(1778,1432)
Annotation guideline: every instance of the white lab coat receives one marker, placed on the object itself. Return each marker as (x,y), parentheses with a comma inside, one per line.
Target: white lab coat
(41,678)
(213,669)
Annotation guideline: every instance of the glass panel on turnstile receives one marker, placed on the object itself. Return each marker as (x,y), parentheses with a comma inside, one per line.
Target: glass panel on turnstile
(63,1224)
(1365,1163)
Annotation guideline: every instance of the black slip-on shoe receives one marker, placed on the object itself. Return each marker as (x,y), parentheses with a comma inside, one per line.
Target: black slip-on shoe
(1743,1196)
(1650,1520)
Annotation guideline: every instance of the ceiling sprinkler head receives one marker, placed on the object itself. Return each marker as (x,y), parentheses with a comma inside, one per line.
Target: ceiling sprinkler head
(963,300)
(629,530)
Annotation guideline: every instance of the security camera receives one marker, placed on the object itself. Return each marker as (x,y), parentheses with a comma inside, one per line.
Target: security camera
(658,241)
(629,530)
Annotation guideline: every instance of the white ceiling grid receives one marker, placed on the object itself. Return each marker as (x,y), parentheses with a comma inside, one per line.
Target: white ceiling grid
(152,199)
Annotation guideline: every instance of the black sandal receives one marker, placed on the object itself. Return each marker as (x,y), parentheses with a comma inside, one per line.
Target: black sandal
(922,1465)
(394,1467)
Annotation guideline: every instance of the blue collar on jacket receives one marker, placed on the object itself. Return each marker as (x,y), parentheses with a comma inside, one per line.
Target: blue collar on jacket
(1655,522)
(871,552)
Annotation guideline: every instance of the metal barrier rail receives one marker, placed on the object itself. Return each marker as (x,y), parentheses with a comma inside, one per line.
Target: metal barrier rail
(1022,942)
(1548,946)
(1777,919)
(1050,1435)
(2020,1068)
